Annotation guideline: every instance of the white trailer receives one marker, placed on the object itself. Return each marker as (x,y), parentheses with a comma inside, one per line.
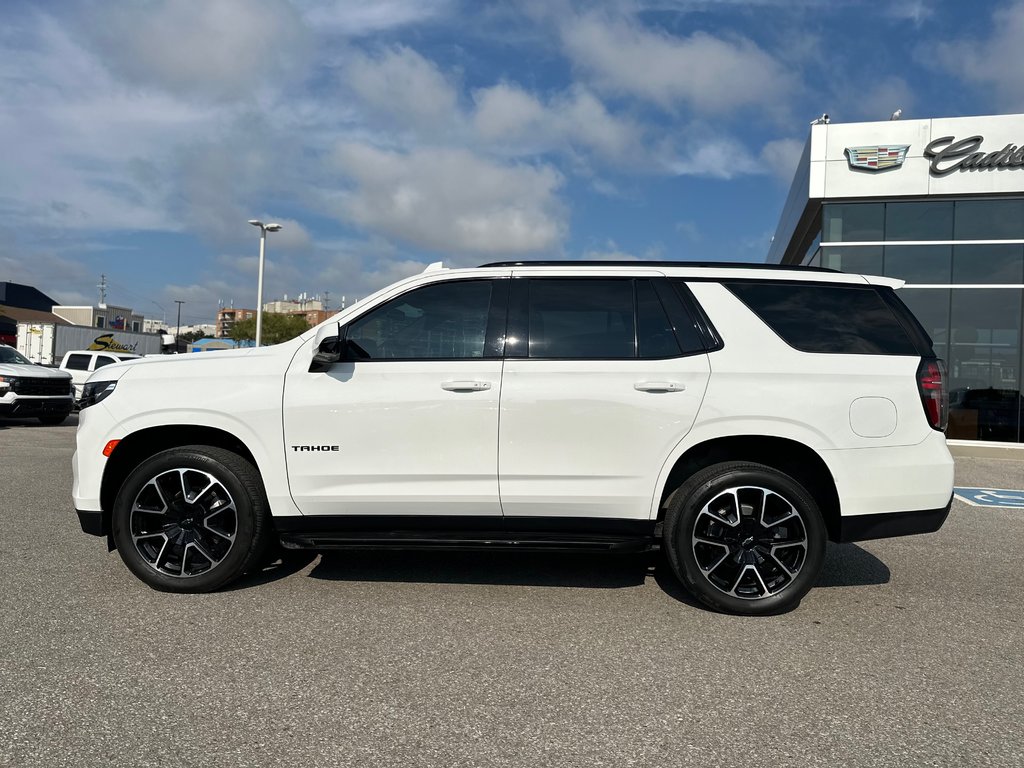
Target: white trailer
(46,343)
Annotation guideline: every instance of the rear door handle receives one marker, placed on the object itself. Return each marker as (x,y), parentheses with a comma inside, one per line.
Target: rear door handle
(466,386)
(659,386)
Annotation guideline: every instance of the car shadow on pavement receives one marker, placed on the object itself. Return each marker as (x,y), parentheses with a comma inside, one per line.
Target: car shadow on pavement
(848,565)
(534,569)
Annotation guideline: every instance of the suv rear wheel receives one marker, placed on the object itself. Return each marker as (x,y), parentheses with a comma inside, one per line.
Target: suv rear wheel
(745,538)
(191,519)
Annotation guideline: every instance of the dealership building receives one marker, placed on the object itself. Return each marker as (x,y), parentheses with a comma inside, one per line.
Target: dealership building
(938,203)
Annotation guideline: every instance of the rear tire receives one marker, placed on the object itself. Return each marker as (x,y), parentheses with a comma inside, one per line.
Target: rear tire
(191,519)
(745,538)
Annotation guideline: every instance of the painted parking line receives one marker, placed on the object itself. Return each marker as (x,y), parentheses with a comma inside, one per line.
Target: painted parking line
(991,497)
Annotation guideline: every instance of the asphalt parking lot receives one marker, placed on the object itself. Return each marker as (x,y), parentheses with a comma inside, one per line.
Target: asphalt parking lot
(909,652)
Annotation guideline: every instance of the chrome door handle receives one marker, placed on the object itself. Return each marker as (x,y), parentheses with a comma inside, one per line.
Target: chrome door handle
(659,386)
(466,386)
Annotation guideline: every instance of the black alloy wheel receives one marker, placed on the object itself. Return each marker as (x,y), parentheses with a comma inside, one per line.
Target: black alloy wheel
(191,519)
(745,538)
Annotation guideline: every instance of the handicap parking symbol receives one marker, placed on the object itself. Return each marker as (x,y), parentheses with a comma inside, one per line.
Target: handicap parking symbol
(991,497)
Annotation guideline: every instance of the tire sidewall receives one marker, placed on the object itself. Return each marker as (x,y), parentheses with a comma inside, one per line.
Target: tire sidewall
(245,514)
(708,485)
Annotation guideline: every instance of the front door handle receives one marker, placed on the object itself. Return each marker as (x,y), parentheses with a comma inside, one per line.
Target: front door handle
(659,386)
(466,386)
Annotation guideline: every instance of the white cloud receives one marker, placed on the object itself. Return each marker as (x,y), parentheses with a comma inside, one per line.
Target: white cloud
(362,18)
(400,83)
(452,200)
(993,61)
(507,114)
(716,157)
(707,73)
(781,157)
(221,50)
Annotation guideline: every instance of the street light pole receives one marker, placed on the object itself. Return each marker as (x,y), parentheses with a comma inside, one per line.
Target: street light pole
(264,228)
(177,327)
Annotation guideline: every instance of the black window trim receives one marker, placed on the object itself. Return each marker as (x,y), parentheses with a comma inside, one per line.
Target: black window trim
(494,333)
(694,312)
(518,318)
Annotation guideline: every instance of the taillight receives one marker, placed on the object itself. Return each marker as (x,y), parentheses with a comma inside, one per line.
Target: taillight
(931,382)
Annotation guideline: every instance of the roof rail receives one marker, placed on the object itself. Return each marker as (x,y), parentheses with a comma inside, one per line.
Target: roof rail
(627,263)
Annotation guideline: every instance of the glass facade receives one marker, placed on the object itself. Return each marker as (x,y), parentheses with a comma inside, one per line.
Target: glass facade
(967,291)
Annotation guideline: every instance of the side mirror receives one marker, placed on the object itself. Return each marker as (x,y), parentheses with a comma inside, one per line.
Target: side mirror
(328,347)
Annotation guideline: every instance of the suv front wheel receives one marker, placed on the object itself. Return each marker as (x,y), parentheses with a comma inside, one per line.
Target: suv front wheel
(745,538)
(191,519)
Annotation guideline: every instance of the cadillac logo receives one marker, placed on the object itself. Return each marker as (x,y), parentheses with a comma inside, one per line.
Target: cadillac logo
(877,158)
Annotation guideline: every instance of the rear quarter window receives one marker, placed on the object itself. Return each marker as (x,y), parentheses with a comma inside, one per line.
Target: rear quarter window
(837,319)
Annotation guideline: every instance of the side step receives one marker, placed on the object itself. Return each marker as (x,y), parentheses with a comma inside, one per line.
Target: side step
(472,540)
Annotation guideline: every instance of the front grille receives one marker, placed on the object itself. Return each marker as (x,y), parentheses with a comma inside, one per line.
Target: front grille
(43,387)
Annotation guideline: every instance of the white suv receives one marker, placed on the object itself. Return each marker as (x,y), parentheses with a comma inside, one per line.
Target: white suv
(738,417)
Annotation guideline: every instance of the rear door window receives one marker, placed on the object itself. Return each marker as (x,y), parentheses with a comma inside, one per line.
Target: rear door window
(102,360)
(838,319)
(581,319)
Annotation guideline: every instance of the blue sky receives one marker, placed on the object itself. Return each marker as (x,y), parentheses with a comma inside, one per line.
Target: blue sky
(139,137)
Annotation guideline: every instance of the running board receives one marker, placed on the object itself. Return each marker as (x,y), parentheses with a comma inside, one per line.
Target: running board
(472,540)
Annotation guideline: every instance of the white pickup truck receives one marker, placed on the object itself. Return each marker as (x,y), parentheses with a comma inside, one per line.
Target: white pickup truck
(81,364)
(29,391)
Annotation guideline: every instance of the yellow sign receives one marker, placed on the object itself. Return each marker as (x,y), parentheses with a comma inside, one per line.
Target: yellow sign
(106,342)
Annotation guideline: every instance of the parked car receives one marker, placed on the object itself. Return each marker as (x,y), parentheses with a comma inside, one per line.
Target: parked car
(28,390)
(736,417)
(81,363)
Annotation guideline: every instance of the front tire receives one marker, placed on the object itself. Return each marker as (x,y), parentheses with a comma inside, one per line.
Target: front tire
(191,519)
(745,538)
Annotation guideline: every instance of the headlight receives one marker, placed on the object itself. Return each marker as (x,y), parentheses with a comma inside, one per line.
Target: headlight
(7,382)
(95,391)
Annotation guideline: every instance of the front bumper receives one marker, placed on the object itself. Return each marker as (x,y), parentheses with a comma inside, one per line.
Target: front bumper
(93,523)
(36,406)
(888,524)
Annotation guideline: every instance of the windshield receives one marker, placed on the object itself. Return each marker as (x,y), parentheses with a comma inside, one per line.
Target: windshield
(10,355)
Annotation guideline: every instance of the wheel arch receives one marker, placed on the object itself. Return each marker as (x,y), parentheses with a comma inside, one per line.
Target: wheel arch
(138,446)
(794,458)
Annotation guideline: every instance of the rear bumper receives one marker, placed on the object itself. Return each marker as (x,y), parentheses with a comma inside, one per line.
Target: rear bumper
(889,524)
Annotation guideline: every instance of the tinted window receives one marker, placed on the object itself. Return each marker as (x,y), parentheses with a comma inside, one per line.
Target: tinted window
(853,222)
(577,319)
(77,363)
(102,360)
(989,220)
(919,221)
(824,318)
(442,321)
(857,259)
(988,264)
(654,334)
(919,263)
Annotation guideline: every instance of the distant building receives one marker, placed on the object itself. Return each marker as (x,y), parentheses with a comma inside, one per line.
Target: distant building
(226,319)
(106,316)
(25,297)
(22,304)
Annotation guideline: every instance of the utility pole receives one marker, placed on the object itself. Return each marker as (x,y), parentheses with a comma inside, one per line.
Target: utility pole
(177,328)
(103,291)
(327,299)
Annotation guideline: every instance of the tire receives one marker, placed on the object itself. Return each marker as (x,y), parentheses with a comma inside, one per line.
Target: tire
(52,421)
(174,545)
(745,538)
